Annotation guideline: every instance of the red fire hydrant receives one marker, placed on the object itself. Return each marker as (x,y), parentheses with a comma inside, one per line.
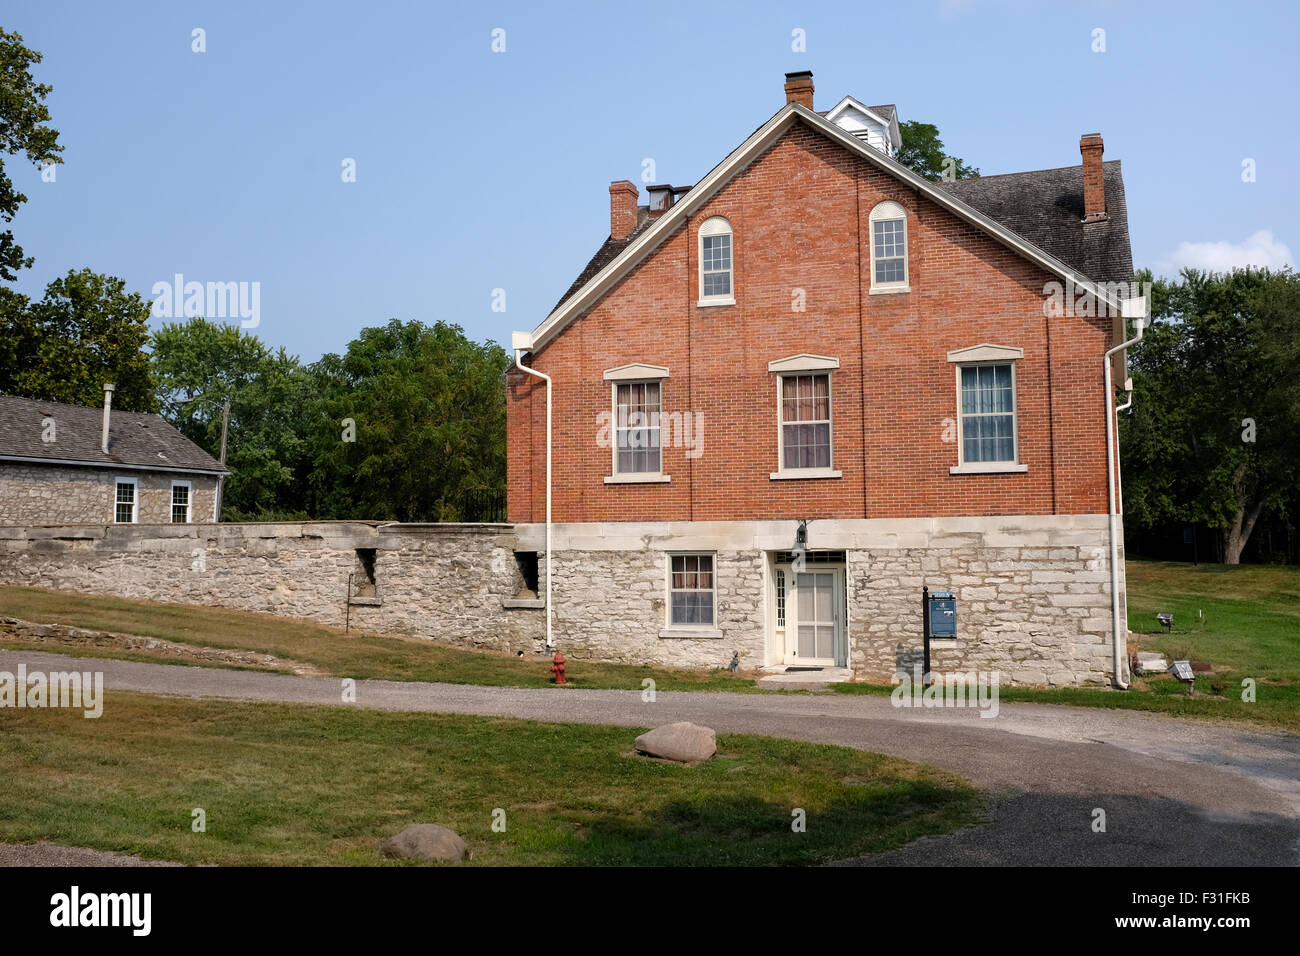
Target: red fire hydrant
(557,669)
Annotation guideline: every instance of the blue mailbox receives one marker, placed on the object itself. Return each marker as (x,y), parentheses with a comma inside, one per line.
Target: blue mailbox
(943,614)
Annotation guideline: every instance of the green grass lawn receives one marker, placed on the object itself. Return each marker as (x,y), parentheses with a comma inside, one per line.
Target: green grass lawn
(1248,626)
(360,656)
(286,784)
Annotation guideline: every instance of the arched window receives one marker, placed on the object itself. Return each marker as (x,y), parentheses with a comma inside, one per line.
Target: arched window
(717,275)
(889,248)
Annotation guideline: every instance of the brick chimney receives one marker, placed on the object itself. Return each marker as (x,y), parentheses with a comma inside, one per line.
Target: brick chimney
(799,88)
(622,208)
(108,410)
(1094,180)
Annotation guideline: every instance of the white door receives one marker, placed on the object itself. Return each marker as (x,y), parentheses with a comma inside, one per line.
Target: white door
(814,618)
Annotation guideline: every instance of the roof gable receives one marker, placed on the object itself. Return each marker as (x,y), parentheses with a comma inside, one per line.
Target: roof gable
(651,233)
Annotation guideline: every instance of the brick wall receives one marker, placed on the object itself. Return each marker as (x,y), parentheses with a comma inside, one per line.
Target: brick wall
(800,220)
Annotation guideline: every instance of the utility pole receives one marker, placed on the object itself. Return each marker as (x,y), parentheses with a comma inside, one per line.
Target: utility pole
(225,427)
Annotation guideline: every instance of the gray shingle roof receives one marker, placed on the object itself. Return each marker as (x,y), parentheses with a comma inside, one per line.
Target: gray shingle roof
(134,438)
(1045,206)
(606,253)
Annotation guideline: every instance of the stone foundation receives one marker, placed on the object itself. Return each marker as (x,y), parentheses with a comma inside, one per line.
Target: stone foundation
(1033,592)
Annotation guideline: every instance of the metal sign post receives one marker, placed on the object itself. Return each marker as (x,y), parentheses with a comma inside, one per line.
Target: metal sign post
(925,617)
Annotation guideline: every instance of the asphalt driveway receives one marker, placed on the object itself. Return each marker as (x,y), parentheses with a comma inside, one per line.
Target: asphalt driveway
(1173,791)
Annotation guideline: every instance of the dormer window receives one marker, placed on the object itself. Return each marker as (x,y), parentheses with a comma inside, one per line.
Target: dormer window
(716,272)
(889,248)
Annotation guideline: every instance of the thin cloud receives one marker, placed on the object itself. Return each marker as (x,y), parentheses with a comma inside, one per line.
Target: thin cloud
(1261,249)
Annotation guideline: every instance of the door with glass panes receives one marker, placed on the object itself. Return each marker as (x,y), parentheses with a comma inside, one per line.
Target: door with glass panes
(813,616)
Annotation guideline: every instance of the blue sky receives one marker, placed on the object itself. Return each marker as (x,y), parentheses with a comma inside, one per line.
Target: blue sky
(478,170)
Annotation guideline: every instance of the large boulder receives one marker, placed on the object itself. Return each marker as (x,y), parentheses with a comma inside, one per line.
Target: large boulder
(683,741)
(425,841)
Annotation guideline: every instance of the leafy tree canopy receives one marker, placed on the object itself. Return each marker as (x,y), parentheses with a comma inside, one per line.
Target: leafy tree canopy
(86,331)
(922,152)
(23,130)
(428,412)
(1212,436)
(199,364)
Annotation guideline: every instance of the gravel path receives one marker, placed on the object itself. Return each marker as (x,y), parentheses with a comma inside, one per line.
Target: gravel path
(1174,791)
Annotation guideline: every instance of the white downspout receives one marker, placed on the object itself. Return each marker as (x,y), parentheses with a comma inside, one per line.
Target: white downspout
(523,341)
(1135,309)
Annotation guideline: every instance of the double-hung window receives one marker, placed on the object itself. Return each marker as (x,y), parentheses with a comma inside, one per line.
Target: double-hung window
(124,501)
(889,248)
(806,420)
(691,590)
(717,275)
(181,492)
(636,423)
(986,409)
(637,437)
(804,417)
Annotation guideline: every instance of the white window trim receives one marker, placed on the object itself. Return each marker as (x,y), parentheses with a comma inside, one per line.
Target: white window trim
(615,477)
(804,362)
(885,211)
(636,372)
(786,474)
(135,499)
(189,502)
(714,226)
(688,630)
(988,355)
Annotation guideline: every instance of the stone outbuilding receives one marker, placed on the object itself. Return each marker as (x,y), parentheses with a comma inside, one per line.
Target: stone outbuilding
(68,464)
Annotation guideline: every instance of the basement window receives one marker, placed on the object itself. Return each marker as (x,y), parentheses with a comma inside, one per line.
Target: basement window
(363,580)
(526,561)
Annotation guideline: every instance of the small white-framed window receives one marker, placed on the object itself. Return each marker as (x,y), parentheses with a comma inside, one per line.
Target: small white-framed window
(125,500)
(987,409)
(182,502)
(888,223)
(717,263)
(692,590)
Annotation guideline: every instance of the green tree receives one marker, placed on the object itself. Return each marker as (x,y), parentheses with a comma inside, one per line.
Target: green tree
(269,394)
(1212,436)
(428,413)
(23,129)
(921,151)
(86,331)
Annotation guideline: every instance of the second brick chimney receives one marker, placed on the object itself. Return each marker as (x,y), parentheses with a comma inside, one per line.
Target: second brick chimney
(1094,179)
(622,208)
(799,88)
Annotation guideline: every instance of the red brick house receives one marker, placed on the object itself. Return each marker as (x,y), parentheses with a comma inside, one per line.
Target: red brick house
(788,397)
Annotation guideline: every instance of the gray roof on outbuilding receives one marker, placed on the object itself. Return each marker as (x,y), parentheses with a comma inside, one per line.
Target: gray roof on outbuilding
(135,440)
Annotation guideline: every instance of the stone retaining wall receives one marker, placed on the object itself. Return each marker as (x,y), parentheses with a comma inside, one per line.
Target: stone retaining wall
(446,582)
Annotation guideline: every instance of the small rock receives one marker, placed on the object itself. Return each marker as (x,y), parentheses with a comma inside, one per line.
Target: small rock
(425,841)
(683,741)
